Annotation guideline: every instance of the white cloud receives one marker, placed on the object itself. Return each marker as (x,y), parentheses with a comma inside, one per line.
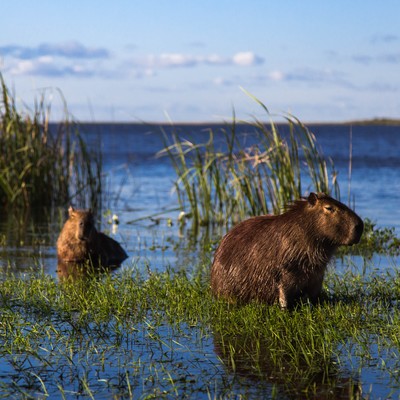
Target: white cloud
(386,58)
(47,66)
(22,67)
(246,58)
(276,75)
(215,59)
(75,59)
(307,75)
(71,49)
(46,59)
(175,60)
(220,81)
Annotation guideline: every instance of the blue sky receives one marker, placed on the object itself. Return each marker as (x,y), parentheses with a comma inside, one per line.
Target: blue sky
(188,60)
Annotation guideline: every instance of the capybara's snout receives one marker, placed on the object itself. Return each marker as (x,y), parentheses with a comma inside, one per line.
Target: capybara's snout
(355,231)
(358,231)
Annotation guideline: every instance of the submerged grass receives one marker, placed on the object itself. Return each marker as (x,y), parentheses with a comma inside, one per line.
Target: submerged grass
(138,334)
(43,166)
(224,182)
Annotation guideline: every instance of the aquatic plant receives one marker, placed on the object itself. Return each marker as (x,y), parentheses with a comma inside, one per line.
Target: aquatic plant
(43,165)
(138,334)
(376,240)
(220,183)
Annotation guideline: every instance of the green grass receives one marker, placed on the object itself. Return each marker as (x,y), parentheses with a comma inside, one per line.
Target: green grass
(221,184)
(34,156)
(144,334)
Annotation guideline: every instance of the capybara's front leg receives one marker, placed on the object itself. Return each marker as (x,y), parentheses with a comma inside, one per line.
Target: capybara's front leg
(285,296)
(314,288)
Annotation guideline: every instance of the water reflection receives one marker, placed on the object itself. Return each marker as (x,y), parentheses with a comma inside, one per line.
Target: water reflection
(74,272)
(27,240)
(259,361)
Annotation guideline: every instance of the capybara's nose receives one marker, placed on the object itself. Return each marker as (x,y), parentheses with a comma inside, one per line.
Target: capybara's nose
(359,229)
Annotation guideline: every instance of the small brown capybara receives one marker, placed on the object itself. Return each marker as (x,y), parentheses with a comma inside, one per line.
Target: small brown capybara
(283,258)
(80,242)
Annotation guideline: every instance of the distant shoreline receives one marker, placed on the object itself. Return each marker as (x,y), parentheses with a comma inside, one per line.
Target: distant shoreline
(366,122)
(374,121)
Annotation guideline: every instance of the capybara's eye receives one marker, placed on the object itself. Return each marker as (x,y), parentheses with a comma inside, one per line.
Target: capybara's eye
(329,208)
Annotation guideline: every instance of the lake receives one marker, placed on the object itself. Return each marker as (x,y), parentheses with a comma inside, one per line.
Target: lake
(138,189)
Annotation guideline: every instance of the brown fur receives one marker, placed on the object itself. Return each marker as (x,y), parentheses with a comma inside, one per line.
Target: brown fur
(79,242)
(283,258)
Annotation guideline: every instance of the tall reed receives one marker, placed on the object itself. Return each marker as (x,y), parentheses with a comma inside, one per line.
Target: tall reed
(43,165)
(223,185)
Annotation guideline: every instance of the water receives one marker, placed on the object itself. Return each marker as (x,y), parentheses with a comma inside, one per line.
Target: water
(138,184)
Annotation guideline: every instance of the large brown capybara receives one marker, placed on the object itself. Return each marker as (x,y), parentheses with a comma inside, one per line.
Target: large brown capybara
(283,258)
(80,242)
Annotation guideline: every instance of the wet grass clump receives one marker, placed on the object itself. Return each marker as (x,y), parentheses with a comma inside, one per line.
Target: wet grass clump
(35,156)
(161,335)
(378,240)
(223,181)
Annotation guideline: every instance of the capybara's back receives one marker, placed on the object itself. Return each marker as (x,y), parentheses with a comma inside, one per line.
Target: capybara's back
(79,242)
(283,258)
(111,252)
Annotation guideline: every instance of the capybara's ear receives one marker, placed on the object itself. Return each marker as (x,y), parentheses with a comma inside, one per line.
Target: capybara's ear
(312,198)
(70,210)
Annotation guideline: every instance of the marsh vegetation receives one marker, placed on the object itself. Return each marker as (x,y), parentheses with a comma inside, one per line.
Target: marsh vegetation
(222,181)
(39,167)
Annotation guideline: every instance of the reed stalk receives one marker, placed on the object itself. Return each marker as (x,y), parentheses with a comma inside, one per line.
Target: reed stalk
(42,164)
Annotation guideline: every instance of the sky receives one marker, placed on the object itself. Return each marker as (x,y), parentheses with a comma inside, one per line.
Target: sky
(203,61)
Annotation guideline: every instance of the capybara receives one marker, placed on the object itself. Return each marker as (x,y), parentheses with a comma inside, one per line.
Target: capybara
(79,242)
(283,258)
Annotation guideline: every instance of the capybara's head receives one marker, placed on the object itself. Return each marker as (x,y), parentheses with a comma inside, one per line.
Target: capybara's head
(83,221)
(334,221)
